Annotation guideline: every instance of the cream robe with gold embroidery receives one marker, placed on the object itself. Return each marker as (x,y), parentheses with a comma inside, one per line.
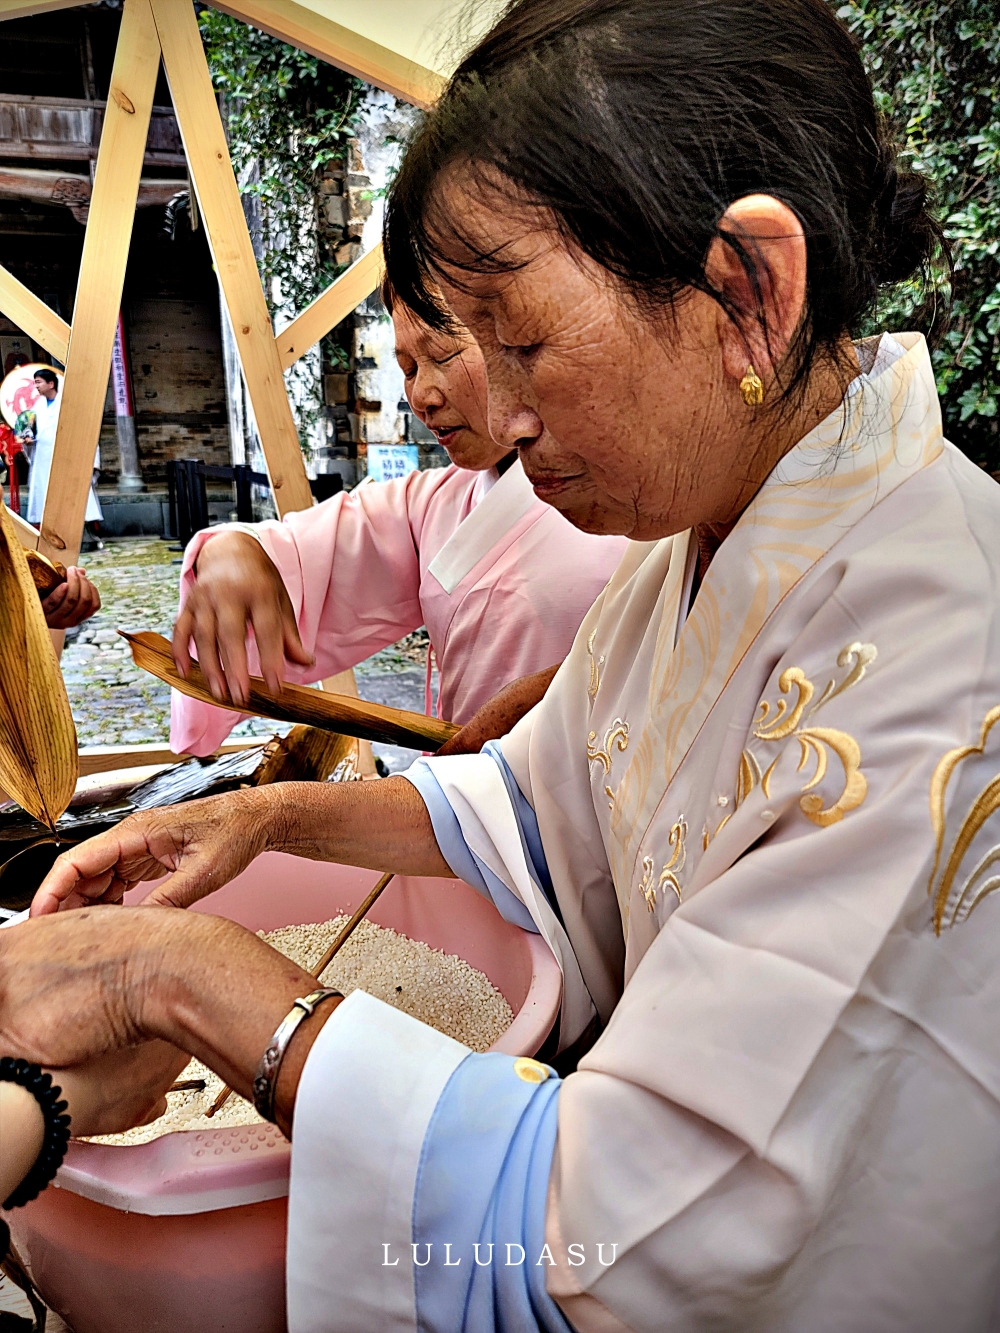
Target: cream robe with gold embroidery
(774,829)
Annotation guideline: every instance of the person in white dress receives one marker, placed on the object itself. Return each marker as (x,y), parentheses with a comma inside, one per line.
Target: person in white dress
(756,815)
(46,421)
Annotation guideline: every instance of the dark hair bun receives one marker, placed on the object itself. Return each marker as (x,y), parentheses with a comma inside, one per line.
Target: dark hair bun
(906,233)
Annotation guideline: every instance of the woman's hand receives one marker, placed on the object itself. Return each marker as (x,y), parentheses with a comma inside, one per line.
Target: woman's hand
(237,588)
(73,602)
(116,1091)
(75,987)
(102,984)
(203,843)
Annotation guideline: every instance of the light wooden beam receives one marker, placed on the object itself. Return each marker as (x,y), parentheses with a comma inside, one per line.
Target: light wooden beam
(32,315)
(330,307)
(219,200)
(340,46)
(22,9)
(110,758)
(102,275)
(302,27)
(26,534)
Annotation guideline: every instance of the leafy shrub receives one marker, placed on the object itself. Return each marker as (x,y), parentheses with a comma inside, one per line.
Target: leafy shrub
(936,69)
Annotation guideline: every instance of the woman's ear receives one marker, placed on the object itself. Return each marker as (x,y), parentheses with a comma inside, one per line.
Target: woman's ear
(767,306)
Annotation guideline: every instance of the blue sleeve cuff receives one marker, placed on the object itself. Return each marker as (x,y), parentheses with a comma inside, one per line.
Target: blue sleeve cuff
(463,861)
(479,1205)
(527,822)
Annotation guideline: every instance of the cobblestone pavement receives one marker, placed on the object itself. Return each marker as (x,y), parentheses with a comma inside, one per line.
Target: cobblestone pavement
(114,703)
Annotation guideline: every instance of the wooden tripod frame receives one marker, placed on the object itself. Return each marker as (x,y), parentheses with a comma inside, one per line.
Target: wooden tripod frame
(168,28)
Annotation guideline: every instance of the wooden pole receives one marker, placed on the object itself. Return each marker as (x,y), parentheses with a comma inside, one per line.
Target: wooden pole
(320,36)
(32,315)
(330,307)
(219,200)
(26,534)
(102,275)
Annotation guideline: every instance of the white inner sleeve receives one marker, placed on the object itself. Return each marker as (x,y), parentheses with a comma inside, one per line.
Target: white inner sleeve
(365,1099)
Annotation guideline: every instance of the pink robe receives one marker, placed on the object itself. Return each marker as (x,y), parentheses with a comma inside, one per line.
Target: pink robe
(501,580)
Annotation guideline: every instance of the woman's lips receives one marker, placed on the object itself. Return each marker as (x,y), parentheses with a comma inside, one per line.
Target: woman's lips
(446,434)
(548,488)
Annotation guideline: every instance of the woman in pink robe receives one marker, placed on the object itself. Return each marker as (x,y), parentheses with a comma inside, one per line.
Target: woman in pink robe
(499,578)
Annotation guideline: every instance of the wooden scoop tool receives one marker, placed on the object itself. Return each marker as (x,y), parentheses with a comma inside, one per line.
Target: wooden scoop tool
(298,703)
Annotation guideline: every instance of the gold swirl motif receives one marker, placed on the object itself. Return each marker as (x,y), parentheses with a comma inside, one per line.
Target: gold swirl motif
(669,875)
(595,666)
(616,737)
(646,886)
(848,751)
(748,778)
(975,888)
(859,657)
(781,726)
(815,742)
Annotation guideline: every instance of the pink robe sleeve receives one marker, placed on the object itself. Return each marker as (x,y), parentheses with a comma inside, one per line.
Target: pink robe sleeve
(351,567)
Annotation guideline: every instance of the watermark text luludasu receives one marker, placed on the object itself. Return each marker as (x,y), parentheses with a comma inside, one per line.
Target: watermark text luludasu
(511,1255)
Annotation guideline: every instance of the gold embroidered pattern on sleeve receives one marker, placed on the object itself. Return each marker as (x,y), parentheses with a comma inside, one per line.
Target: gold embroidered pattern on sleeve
(815,743)
(616,737)
(954,902)
(669,875)
(595,666)
(646,886)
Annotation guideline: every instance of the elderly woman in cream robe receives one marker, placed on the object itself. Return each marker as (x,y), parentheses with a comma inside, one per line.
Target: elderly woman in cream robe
(757,814)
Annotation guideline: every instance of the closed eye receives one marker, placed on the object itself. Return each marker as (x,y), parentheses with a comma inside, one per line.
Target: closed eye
(523,351)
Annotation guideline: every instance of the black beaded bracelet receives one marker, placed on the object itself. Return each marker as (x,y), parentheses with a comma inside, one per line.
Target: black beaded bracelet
(57,1123)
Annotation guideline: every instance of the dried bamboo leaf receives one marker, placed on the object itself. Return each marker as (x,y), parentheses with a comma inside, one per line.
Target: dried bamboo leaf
(298,703)
(38,758)
(47,574)
(307,754)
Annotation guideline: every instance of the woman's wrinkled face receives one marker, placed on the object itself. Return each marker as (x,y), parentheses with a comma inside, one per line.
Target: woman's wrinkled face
(624,425)
(445,382)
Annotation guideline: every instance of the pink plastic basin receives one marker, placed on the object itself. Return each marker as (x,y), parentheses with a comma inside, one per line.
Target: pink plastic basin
(187,1234)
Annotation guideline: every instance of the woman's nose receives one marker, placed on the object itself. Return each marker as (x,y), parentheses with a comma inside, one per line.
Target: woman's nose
(512,423)
(424,393)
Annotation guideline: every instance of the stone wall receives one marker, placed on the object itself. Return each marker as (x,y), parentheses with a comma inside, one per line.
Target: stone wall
(178,383)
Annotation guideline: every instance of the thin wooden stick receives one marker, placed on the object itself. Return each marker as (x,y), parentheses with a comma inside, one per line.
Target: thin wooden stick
(349,929)
(323,964)
(188,1085)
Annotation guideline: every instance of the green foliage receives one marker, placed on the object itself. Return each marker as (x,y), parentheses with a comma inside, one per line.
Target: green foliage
(290,116)
(936,69)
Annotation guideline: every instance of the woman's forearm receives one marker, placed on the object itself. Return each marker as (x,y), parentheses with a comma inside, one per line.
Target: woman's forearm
(22,1129)
(381,825)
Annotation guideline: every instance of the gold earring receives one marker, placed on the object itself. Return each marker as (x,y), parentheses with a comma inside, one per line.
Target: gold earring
(752,388)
